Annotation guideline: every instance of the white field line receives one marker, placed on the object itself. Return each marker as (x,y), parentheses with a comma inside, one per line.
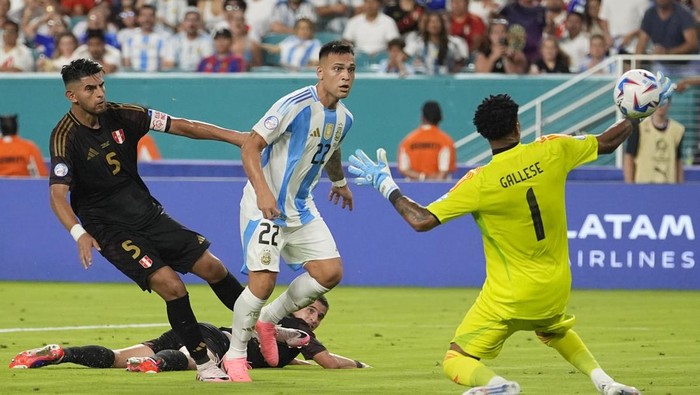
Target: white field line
(82,327)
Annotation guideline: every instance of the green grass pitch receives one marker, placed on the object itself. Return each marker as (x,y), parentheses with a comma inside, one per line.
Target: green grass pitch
(649,339)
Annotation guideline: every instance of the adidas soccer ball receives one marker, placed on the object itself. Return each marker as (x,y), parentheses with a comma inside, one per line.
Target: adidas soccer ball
(637,93)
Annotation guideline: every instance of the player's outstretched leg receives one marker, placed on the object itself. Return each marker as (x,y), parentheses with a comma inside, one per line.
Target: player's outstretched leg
(471,372)
(38,357)
(619,389)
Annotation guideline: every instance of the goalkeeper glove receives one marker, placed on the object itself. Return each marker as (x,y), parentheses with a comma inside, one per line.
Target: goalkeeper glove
(369,173)
(666,86)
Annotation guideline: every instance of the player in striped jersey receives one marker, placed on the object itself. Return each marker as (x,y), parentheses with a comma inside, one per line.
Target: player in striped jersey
(93,156)
(298,137)
(517,200)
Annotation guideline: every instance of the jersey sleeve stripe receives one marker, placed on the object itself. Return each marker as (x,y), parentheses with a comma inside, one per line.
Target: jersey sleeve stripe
(123,106)
(285,108)
(59,139)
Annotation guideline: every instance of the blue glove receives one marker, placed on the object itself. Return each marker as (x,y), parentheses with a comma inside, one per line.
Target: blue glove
(666,86)
(370,173)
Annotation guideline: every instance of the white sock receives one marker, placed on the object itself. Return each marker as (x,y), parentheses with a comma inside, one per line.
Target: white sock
(302,291)
(600,378)
(497,380)
(246,311)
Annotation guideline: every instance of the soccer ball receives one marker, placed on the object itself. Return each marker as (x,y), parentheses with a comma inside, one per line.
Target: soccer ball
(637,93)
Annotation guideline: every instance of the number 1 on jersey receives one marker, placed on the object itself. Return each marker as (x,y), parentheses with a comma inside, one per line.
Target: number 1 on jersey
(536,215)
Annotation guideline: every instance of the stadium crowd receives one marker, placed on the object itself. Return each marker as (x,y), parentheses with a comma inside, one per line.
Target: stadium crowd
(435,36)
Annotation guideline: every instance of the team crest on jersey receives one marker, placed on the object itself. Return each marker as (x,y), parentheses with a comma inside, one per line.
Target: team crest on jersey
(271,122)
(338,132)
(118,136)
(328,131)
(146,262)
(266,257)
(60,170)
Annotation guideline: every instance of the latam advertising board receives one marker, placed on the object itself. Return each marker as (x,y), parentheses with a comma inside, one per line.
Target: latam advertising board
(633,236)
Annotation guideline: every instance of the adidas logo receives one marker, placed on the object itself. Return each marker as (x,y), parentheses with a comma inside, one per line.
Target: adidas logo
(92,153)
(315,133)
(200,239)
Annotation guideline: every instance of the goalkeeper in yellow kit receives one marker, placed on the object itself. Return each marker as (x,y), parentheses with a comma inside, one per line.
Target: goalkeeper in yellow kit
(517,200)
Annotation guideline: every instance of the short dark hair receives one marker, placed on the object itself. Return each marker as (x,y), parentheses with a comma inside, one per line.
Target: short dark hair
(322,299)
(223,33)
(10,22)
(95,33)
(432,113)
(396,42)
(8,126)
(496,117)
(336,47)
(78,69)
(146,6)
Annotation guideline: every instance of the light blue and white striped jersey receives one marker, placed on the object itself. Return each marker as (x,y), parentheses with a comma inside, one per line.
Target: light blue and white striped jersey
(301,135)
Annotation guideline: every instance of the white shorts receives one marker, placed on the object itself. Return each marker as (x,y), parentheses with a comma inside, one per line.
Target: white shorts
(264,243)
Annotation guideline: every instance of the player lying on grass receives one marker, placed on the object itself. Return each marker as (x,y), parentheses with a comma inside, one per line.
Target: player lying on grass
(166,353)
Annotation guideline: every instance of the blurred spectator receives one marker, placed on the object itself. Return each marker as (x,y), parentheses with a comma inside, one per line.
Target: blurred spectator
(188,47)
(14,56)
(592,20)
(597,54)
(127,26)
(96,49)
(621,20)
(466,25)
(43,19)
(434,5)
(496,55)
(42,31)
(223,60)
(18,157)
(653,151)
(397,59)
(286,13)
(486,9)
(406,14)
(32,9)
(98,19)
(556,18)
(258,15)
(4,10)
(670,29)
(300,50)
(687,83)
(143,50)
(333,15)
(212,12)
(552,59)
(372,30)
(169,13)
(243,44)
(147,149)
(427,153)
(532,17)
(435,51)
(576,41)
(76,7)
(66,44)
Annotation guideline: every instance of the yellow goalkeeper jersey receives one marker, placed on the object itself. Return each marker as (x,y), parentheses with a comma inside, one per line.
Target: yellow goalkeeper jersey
(518,202)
